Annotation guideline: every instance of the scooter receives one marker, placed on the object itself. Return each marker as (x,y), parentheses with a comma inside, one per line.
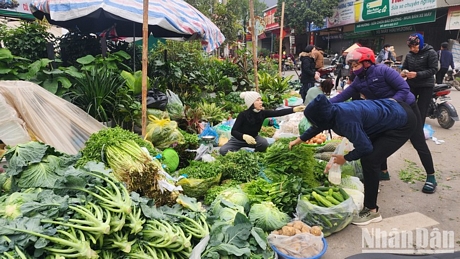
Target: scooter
(440,108)
(452,78)
(327,72)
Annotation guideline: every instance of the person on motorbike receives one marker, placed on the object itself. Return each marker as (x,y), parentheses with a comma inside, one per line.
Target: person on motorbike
(377,129)
(378,81)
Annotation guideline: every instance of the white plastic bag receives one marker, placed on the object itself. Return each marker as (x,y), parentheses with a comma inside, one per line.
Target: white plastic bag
(175,107)
(357,196)
(352,182)
(331,219)
(303,245)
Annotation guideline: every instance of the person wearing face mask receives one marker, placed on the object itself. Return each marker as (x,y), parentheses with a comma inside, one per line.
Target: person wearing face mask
(245,131)
(379,82)
(419,67)
(377,129)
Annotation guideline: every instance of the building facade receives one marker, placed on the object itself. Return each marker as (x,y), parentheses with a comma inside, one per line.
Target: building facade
(373,23)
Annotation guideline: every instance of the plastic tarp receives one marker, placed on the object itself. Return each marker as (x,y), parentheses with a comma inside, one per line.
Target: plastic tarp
(47,117)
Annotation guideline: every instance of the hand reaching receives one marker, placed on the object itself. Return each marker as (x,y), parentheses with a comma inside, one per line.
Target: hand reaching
(300,108)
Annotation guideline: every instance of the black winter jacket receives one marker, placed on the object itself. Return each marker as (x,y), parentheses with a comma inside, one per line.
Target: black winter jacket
(307,68)
(425,63)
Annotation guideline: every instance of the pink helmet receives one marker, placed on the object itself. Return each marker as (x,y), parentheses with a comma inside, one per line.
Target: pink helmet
(361,54)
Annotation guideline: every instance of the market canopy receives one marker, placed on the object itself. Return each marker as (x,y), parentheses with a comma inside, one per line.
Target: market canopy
(166,18)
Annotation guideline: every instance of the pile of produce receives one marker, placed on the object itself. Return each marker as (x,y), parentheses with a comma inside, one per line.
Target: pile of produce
(55,210)
(297,239)
(331,208)
(298,161)
(130,163)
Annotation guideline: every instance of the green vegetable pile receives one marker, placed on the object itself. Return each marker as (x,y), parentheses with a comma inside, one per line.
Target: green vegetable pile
(299,161)
(282,190)
(87,213)
(331,208)
(119,149)
(95,145)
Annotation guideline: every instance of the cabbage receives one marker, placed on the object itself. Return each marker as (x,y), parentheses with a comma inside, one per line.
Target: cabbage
(234,195)
(229,202)
(10,205)
(267,216)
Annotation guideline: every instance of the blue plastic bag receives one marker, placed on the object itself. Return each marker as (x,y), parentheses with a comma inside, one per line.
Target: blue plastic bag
(428,130)
(209,131)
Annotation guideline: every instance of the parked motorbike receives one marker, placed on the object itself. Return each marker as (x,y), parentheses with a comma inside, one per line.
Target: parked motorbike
(327,72)
(335,59)
(452,78)
(440,108)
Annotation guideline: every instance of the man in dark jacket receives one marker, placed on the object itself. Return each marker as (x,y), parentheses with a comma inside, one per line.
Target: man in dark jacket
(419,67)
(308,72)
(446,60)
(377,129)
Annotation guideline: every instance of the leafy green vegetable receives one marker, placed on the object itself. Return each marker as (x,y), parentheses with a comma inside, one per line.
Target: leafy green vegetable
(298,161)
(267,216)
(95,146)
(214,191)
(35,164)
(241,165)
(281,189)
(10,205)
(234,195)
(237,240)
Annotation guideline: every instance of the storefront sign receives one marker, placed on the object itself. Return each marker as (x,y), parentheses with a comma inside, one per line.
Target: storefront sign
(314,27)
(409,19)
(356,35)
(394,30)
(16,8)
(366,10)
(344,14)
(375,9)
(453,18)
(338,36)
(398,7)
(269,20)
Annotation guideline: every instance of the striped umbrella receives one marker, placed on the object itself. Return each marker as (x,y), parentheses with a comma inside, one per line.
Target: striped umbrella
(166,18)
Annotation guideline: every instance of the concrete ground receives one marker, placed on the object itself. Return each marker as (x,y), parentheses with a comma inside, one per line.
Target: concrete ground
(432,221)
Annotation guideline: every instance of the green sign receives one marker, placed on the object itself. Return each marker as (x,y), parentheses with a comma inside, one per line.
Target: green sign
(375,9)
(355,35)
(403,20)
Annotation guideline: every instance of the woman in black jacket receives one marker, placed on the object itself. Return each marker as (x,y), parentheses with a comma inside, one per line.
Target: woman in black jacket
(419,67)
(308,71)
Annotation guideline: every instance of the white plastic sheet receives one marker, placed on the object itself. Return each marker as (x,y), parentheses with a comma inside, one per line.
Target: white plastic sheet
(51,119)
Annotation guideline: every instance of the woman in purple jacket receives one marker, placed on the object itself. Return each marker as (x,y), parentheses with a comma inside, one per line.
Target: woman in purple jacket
(379,82)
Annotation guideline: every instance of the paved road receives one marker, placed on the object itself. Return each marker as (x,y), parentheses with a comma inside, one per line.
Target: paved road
(405,208)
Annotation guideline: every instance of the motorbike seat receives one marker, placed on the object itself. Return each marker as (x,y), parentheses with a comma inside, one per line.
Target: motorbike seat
(440,87)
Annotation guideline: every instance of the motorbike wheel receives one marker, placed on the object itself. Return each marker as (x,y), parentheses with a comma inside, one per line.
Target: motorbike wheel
(444,119)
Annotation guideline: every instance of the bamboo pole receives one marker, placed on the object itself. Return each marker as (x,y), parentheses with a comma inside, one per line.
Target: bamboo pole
(145,48)
(254,43)
(280,53)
